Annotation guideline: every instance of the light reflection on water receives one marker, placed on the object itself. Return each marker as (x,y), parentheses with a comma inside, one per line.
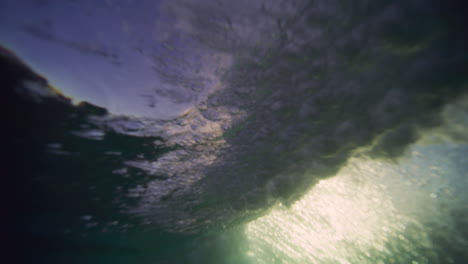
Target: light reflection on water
(371,212)
(313,79)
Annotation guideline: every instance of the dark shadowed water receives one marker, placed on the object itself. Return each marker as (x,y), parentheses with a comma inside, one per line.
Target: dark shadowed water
(199,131)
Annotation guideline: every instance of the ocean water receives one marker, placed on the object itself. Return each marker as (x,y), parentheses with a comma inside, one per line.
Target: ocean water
(204,131)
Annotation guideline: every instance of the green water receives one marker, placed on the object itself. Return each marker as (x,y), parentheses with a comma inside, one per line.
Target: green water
(408,210)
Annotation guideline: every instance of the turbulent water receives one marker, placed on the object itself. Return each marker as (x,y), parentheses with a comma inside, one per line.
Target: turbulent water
(236,131)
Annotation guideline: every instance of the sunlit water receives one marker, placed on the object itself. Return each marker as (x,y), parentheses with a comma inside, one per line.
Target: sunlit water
(371,212)
(237,131)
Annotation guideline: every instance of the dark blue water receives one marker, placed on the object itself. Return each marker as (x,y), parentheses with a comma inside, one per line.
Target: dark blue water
(235,132)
